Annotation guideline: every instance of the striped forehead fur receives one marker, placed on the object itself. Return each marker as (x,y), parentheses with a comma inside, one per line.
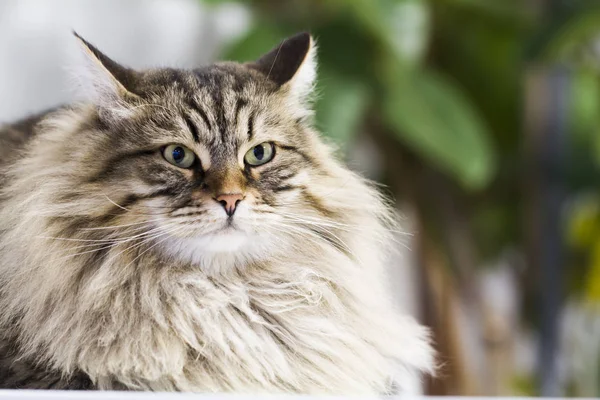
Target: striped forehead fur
(114,266)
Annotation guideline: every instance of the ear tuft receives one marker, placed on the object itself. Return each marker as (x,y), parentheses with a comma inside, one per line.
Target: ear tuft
(102,77)
(291,63)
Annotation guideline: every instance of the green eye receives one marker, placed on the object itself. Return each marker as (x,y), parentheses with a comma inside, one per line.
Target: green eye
(259,155)
(179,155)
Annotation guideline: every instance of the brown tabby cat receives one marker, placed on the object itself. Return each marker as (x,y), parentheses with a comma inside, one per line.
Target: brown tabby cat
(189,230)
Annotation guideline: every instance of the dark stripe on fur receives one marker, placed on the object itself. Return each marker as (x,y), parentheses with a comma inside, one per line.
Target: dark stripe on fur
(202,113)
(192,127)
(241,103)
(219,109)
(135,198)
(332,239)
(251,127)
(285,188)
(317,204)
(297,151)
(112,163)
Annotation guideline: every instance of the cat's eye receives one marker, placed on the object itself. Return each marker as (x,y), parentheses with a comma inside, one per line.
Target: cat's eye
(259,155)
(179,155)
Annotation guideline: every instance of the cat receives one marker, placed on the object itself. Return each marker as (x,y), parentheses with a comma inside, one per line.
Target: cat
(189,230)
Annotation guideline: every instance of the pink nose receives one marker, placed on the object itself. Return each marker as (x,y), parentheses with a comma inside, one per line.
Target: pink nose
(229,201)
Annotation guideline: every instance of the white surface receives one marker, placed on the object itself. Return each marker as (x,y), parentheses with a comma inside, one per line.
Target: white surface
(83,395)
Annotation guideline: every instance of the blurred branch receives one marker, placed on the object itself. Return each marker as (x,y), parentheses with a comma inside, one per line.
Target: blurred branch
(546,129)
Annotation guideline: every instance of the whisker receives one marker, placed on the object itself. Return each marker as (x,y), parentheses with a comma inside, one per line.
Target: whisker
(332,223)
(121,226)
(150,248)
(339,240)
(118,205)
(116,242)
(98,240)
(146,240)
(113,245)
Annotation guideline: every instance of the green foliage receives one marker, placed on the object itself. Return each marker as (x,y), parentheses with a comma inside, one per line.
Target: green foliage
(342,106)
(583,236)
(435,118)
(584,107)
(524,386)
(256,42)
(570,35)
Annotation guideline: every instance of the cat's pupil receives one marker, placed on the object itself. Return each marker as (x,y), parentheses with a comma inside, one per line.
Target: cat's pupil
(178,154)
(259,152)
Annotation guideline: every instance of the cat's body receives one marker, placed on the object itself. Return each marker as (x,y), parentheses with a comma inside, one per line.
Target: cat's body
(124,266)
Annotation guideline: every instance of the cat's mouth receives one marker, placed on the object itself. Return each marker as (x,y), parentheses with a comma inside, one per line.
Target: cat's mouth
(213,235)
(229,224)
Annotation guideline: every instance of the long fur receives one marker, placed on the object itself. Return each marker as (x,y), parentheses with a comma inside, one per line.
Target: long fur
(143,294)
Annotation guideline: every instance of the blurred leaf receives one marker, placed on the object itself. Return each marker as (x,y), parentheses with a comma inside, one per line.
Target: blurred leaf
(409,30)
(505,8)
(341,107)
(434,117)
(397,26)
(259,40)
(583,234)
(568,35)
(370,14)
(492,75)
(524,385)
(593,280)
(584,104)
(344,48)
(584,223)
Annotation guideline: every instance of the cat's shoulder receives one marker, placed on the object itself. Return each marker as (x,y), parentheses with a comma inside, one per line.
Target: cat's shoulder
(26,126)
(15,135)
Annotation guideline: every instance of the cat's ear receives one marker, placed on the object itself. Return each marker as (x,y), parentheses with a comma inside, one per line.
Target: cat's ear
(103,79)
(292,64)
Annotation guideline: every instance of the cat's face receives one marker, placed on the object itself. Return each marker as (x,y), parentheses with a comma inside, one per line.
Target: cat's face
(211,162)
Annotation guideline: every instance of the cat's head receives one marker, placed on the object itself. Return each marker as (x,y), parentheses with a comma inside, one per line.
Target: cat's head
(218,162)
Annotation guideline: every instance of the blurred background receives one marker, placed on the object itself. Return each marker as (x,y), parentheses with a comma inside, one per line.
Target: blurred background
(481,117)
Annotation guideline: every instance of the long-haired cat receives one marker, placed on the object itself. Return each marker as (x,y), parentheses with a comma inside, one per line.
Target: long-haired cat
(189,230)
